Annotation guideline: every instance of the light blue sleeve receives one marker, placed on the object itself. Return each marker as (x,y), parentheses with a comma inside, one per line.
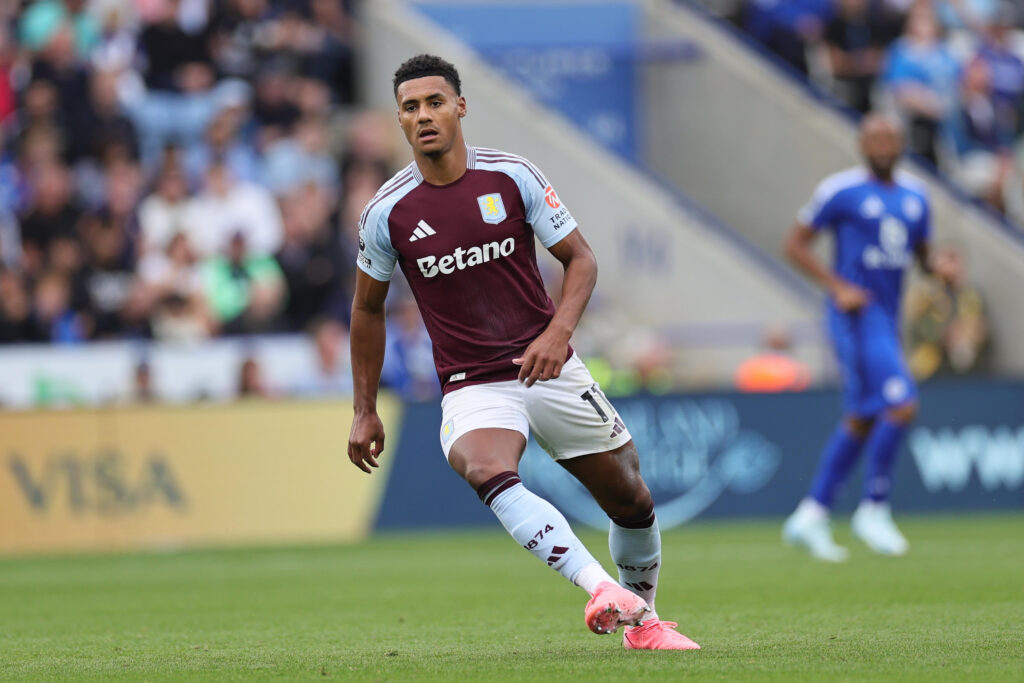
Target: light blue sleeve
(377,256)
(822,211)
(545,212)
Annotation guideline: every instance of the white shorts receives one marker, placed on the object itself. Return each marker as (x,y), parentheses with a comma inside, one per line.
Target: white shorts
(570,415)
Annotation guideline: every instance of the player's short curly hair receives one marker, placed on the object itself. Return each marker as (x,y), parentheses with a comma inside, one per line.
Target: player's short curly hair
(422,66)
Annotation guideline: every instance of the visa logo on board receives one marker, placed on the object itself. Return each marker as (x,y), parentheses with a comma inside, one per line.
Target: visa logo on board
(105,483)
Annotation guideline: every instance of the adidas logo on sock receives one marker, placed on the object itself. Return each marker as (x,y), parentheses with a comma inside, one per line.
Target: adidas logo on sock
(556,554)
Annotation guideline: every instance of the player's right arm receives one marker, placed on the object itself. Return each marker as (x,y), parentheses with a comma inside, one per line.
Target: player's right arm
(848,296)
(376,262)
(823,211)
(366,339)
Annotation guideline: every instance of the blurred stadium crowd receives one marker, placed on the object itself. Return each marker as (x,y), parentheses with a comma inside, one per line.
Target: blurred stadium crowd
(178,170)
(181,169)
(953,69)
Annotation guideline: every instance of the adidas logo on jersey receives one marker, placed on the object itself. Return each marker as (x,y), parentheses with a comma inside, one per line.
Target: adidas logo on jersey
(460,259)
(422,230)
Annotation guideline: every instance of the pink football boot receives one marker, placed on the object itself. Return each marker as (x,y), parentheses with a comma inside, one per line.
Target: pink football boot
(613,606)
(656,634)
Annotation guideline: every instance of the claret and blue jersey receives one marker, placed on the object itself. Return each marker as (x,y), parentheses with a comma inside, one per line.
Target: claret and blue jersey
(467,250)
(877,227)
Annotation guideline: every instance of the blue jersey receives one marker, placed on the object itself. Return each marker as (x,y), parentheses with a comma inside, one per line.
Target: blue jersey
(877,226)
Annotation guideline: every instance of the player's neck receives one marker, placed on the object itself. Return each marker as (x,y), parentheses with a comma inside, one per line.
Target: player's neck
(883,178)
(445,168)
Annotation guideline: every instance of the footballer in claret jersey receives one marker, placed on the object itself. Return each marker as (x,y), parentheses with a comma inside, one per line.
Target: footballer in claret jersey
(462,223)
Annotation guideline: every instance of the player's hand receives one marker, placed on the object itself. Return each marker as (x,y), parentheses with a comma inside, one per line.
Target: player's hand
(849,297)
(366,441)
(543,359)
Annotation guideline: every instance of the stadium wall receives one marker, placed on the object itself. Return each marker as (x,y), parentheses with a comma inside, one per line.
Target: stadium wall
(661,264)
(273,472)
(750,144)
(729,455)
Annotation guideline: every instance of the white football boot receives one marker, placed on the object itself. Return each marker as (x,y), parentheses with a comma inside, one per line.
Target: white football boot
(808,527)
(872,523)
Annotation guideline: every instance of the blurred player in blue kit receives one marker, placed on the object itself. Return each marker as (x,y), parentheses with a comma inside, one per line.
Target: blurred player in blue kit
(880,221)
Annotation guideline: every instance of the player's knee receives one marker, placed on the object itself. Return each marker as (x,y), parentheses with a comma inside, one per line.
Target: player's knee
(904,414)
(858,426)
(477,474)
(628,501)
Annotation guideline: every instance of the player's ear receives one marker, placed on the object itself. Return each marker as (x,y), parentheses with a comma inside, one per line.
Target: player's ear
(462,106)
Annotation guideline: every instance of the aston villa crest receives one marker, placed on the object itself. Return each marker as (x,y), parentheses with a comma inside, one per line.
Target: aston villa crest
(491,208)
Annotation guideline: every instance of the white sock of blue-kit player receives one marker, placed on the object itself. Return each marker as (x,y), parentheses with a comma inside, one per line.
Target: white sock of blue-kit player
(543,530)
(637,554)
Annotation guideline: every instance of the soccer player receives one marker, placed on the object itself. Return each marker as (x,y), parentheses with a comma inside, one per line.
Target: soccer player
(879,218)
(460,222)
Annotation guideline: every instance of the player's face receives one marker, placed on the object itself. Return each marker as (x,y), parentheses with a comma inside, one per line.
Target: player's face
(429,112)
(882,146)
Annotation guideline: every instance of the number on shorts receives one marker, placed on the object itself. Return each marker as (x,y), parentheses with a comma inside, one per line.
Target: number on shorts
(590,397)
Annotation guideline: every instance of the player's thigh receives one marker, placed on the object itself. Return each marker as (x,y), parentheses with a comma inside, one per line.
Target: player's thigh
(888,376)
(570,416)
(850,362)
(484,429)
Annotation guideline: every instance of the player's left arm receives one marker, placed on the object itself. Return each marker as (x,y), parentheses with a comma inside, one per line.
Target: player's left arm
(544,357)
(922,249)
(923,254)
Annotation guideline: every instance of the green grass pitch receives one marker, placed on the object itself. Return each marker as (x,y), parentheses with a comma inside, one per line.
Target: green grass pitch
(473,606)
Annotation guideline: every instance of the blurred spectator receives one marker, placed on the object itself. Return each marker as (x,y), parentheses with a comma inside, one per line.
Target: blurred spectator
(250,380)
(329,57)
(16,324)
(51,213)
(238,36)
(788,27)
(117,41)
(245,290)
(228,207)
(1006,68)
(409,357)
(53,318)
(109,276)
(332,375)
(921,76)
(980,140)
(162,215)
(101,123)
(774,369)
(316,266)
(142,384)
(224,142)
(55,58)
(301,159)
(274,110)
(175,60)
(856,38)
(171,289)
(373,138)
(39,145)
(948,326)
